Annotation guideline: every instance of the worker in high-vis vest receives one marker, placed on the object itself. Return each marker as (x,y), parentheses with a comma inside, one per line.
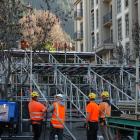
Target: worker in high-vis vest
(104,111)
(92,117)
(58,117)
(37,114)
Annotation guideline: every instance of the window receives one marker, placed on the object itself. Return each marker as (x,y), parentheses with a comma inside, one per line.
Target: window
(127,48)
(81,5)
(97,19)
(96,1)
(81,45)
(111,9)
(81,29)
(119,29)
(118,6)
(93,41)
(127,52)
(92,3)
(111,36)
(97,38)
(92,19)
(127,25)
(81,26)
(126,3)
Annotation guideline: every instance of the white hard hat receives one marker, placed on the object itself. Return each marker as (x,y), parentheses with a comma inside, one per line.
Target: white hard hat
(59,95)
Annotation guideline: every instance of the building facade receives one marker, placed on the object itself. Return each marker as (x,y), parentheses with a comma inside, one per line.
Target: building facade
(101,25)
(82,25)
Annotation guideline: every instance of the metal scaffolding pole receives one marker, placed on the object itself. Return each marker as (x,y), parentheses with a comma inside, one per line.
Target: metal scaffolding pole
(137,84)
(21,94)
(31,76)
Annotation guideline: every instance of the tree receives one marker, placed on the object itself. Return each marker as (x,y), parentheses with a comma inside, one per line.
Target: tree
(34,27)
(39,27)
(10,12)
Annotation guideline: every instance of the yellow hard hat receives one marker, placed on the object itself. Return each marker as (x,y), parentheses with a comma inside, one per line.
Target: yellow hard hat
(34,94)
(105,94)
(92,95)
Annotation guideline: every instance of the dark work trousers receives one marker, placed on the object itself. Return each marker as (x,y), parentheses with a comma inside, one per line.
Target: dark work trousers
(105,131)
(37,129)
(92,128)
(55,131)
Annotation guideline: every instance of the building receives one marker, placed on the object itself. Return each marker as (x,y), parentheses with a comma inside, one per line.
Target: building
(101,25)
(82,25)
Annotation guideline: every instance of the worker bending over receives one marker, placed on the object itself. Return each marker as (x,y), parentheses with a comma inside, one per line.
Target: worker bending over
(37,112)
(104,111)
(92,110)
(58,117)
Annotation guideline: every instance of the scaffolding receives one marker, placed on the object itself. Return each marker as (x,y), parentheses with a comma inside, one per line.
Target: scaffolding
(72,74)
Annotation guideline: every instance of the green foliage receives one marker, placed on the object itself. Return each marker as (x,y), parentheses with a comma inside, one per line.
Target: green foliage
(49,46)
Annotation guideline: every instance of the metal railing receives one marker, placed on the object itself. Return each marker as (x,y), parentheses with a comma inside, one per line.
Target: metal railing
(38,88)
(78,35)
(108,40)
(101,84)
(78,13)
(61,79)
(78,59)
(107,17)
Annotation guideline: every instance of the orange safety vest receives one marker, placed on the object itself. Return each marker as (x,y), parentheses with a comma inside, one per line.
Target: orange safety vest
(93,109)
(104,109)
(58,116)
(36,111)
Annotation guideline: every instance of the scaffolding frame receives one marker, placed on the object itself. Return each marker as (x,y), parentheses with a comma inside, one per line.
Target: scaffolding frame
(81,74)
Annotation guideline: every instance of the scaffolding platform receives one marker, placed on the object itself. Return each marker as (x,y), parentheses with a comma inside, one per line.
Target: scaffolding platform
(72,74)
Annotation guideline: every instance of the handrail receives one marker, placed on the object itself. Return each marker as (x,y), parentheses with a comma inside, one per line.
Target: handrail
(128,73)
(79,60)
(102,60)
(117,89)
(76,89)
(113,85)
(48,104)
(70,83)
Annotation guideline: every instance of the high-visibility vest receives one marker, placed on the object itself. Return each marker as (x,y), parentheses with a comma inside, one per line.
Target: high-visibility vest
(93,109)
(58,116)
(104,109)
(36,110)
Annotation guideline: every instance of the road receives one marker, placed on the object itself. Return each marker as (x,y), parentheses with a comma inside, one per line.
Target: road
(77,130)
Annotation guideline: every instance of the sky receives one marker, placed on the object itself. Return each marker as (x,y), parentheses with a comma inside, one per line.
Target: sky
(61,7)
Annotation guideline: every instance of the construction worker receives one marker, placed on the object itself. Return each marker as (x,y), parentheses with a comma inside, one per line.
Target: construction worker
(92,110)
(37,112)
(104,111)
(58,117)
